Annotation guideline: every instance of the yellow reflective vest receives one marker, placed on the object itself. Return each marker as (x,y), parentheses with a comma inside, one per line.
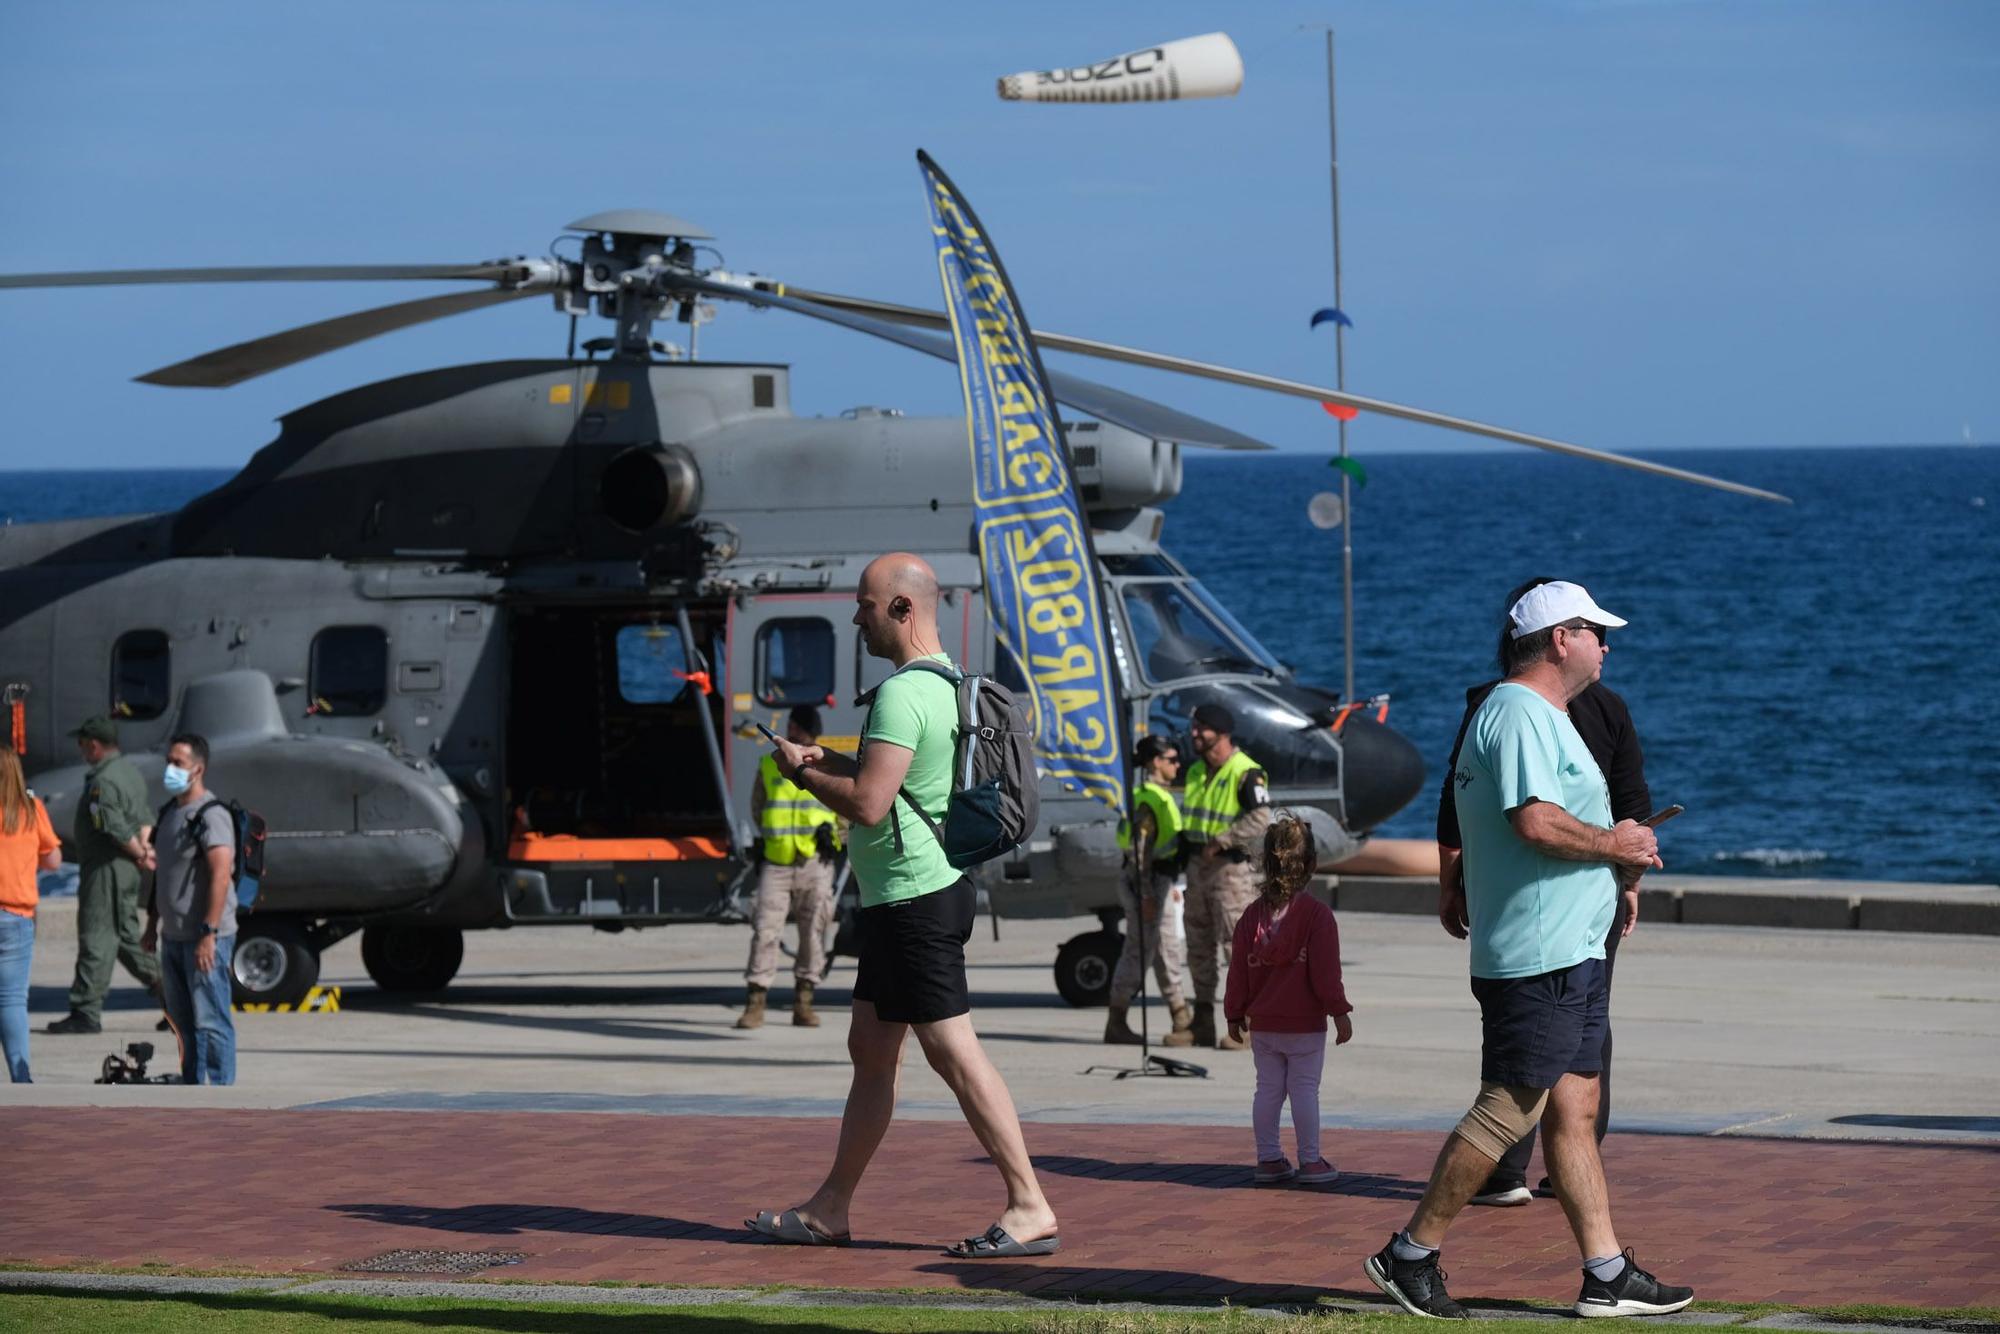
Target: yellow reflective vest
(1166,821)
(1213,801)
(789,818)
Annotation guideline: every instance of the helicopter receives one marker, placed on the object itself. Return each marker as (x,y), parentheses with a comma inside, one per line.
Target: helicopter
(486,645)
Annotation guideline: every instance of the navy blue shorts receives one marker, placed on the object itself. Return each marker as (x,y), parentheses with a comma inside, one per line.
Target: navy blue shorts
(1534,1030)
(912,964)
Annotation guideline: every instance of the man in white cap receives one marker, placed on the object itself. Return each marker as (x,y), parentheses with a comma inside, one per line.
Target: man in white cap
(1540,868)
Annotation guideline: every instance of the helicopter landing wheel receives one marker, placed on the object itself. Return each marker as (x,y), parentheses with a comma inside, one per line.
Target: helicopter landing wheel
(1084,966)
(405,956)
(274,963)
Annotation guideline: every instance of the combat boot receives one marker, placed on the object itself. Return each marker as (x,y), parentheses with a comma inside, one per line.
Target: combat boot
(1202,1031)
(753,1008)
(802,1006)
(1183,1034)
(1116,1031)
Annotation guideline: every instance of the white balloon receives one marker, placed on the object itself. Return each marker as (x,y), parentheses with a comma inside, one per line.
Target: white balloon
(1205,66)
(1325,510)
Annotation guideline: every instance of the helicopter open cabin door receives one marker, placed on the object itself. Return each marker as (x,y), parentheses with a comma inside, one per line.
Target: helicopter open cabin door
(615,812)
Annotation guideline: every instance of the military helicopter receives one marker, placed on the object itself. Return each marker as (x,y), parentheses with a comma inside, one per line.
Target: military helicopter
(485,645)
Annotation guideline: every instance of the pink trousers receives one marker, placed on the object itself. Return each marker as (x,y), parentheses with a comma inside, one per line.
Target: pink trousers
(1288,1066)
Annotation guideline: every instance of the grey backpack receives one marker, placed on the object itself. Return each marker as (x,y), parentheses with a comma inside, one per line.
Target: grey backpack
(995,801)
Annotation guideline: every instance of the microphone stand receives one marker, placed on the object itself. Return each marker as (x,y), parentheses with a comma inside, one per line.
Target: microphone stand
(1138,877)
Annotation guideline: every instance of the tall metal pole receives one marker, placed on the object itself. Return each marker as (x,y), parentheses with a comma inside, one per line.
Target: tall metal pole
(1340,382)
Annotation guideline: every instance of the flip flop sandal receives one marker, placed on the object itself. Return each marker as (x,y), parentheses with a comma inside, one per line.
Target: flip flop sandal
(996,1243)
(791,1228)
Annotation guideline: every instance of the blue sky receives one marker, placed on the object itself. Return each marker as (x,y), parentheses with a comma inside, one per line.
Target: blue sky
(1633,225)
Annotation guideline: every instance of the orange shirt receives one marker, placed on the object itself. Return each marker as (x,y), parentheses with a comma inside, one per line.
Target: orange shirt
(20,855)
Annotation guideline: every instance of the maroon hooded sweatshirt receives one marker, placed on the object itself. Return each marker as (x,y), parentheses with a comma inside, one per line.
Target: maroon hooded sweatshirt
(1285,977)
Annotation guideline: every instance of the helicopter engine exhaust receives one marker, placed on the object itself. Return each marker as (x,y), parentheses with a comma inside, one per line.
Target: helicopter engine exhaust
(649,487)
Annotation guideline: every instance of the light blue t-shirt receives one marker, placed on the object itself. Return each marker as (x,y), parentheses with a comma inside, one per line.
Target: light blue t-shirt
(1530,913)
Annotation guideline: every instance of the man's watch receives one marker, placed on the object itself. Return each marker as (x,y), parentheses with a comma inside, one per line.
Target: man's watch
(205,929)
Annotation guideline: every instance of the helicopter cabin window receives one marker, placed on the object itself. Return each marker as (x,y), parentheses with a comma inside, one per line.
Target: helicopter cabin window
(652,664)
(350,670)
(141,683)
(1179,631)
(794,661)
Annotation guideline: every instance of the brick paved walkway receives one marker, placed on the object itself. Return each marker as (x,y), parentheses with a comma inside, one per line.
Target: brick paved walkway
(1157,1211)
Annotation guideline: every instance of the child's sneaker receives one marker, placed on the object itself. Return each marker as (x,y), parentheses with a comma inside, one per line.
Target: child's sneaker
(1275,1172)
(1317,1172)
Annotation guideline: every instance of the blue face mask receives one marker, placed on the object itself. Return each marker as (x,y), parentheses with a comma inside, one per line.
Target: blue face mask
(177,779)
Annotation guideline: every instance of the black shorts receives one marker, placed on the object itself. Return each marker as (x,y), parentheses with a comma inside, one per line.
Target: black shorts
(913,955)
(1534,1030)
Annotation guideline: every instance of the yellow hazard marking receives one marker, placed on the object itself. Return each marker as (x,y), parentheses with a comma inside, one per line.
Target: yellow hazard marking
(846,744)
(616,395)
(559,394)
(741,703)
(319,1000)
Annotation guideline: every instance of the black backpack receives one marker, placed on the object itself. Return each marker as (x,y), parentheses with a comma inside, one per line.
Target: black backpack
(995,801)
(248,872)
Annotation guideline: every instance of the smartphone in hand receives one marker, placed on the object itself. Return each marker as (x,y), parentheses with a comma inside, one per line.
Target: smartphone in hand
(1661,816)
(772,737)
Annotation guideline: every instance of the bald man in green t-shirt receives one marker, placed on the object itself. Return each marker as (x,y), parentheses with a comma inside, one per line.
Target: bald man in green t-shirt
(917,912)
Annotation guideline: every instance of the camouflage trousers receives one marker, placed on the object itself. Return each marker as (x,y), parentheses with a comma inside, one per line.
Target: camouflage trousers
(1166,952)
(1218,893)
(801,892)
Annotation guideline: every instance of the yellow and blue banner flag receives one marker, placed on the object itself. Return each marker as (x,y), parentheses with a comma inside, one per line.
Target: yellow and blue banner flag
(1042,590)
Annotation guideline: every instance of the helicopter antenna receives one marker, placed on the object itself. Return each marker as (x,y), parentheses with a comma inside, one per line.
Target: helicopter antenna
(571,355)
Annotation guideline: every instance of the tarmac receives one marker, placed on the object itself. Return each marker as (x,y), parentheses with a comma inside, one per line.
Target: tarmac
(1800,1116)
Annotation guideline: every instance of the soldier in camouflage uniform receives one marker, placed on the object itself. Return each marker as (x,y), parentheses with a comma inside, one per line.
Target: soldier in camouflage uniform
(109,842)
(1228,804)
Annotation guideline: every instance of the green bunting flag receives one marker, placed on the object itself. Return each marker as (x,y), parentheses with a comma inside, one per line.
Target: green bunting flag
(1352,467)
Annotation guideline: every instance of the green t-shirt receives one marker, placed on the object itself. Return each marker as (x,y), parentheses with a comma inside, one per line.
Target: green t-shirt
(917,710)
(1530,913)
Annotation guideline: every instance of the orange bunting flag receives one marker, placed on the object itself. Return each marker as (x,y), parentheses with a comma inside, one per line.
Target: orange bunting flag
(1342,411)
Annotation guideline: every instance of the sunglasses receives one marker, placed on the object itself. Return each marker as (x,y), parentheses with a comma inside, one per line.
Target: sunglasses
(1603,633)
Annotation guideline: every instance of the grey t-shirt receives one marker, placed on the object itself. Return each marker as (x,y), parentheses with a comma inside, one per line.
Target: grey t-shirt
(180,886)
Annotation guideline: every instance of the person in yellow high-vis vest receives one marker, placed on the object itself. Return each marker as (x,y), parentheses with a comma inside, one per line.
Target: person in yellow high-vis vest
(1158,818)
(800,839)
(1227,807)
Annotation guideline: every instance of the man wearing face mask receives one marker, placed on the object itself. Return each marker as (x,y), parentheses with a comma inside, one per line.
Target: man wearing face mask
(109,842)
(192,913)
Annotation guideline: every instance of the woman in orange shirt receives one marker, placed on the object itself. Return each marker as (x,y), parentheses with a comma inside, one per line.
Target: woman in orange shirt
(27,845)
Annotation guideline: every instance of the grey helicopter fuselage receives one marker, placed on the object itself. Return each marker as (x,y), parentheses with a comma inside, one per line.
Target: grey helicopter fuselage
(486,645)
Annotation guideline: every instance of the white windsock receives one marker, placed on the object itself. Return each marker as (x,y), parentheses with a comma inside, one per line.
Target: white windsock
(1206,66)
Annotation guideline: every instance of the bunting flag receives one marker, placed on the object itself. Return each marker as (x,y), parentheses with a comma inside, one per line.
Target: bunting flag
(1042,590)
(1334,313)
(1342,411)
(1351,466)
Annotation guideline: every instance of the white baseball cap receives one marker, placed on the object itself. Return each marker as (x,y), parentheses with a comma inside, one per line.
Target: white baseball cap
(1551,604)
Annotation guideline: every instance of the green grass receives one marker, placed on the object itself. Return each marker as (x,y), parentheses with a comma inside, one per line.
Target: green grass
(112,1313)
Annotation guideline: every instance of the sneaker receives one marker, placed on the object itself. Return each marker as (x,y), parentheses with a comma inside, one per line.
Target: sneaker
(1633,1292)
(76,1023)
(1276,1172)
(1503,1197)
(1317,1172)
(1416,1285)
(1545,1188)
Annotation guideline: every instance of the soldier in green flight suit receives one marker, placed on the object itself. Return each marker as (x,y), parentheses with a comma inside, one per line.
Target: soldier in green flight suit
(801,838)
(1159,826)
(109,842)
(1228,808)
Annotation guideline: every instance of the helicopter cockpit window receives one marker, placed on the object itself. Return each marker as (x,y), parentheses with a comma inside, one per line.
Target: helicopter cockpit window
(649,656)
(350,670)
(141,684)
(794,661)
(1180,631)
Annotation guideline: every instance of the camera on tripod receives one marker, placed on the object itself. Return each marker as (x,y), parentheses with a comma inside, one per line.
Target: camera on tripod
(130,1068)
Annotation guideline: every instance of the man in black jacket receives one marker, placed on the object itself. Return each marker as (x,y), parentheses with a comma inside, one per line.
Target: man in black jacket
(1605,724)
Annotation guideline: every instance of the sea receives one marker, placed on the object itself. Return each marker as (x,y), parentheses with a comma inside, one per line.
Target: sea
(1814,682)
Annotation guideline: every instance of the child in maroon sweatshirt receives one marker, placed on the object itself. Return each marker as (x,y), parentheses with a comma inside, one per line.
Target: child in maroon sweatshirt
(1284,979)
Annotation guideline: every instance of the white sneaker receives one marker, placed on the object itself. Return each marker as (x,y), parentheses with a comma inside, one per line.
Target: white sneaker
(1512,1197)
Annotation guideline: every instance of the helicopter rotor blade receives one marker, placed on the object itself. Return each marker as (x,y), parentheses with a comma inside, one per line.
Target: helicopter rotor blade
(1101,401)
(1088,347)
(244,361)
(485,272)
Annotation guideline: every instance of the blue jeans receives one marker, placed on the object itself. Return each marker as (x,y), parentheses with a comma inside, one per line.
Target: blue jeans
(198,1007)
(17,950)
